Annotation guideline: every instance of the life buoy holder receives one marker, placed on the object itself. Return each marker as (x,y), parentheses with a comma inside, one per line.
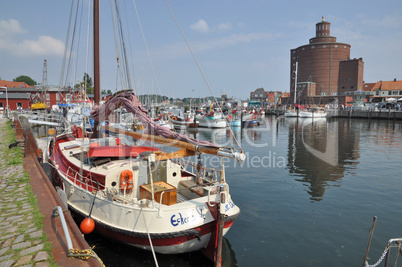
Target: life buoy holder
(126,181)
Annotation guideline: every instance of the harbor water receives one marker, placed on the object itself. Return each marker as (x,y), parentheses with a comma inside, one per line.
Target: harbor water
(307,191)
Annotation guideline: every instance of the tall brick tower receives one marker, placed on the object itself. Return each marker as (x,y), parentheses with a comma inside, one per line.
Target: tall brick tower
(318,66)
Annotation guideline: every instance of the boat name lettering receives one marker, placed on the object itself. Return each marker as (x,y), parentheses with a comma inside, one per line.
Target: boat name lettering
(229,205)
(179,220)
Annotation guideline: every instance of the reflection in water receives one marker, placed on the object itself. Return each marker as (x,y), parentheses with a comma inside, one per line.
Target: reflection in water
(313,144)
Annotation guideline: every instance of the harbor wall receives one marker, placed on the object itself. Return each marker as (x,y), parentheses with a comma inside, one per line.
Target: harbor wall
(386,114)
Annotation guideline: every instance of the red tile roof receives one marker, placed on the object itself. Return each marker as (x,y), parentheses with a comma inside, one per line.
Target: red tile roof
(10,84)
(387,85)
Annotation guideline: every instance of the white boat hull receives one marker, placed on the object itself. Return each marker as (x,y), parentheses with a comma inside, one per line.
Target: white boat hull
(181,227)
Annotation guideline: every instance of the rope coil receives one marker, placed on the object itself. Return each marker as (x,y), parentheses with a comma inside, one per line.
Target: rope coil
(83,254)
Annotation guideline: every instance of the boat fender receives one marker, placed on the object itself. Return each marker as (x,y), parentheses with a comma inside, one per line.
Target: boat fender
(126,180)
(174,118)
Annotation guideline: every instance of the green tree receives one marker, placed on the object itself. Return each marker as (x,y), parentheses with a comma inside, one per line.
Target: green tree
(87,79)
(26,79)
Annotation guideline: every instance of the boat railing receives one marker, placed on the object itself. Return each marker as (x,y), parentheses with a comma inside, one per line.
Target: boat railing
(82,180)
(394,242)
(209,174)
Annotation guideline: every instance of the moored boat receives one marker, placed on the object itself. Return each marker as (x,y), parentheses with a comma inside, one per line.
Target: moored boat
(313,113)
(134,193)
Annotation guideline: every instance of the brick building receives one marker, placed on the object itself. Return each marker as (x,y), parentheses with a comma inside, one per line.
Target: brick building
(324,69)
(20,95)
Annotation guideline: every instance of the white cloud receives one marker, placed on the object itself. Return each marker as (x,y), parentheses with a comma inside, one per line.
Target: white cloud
(200,26)
(44,46)
(10,27)
(224,26)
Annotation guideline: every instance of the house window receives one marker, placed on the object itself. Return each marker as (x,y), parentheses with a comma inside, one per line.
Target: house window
(57,96)
(1,106)
(395,92)
(19,105)
(312,47)
(377,92)
(335,46)
(323,93)
(334,93)
(47,97)
(324,46)
(389,92)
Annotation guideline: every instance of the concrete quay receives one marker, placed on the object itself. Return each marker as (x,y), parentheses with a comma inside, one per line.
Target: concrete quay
(29,233)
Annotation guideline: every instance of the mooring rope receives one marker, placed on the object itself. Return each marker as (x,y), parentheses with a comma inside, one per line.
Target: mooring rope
(83,254)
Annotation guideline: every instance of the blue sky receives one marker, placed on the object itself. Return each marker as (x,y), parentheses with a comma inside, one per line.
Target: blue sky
(240,45)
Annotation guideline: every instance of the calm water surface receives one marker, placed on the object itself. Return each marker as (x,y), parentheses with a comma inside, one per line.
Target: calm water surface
(307,191)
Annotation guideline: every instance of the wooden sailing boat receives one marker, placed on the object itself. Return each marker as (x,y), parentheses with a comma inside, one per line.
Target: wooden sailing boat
(140,195)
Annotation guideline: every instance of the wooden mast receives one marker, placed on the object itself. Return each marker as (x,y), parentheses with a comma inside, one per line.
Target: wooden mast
(96,62)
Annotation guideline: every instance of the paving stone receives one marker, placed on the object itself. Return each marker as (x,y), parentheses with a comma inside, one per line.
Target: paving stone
(7,236)
(42,264)
(4,250)
(6,257)
(12,229)
(7,263)
(21,245)
(41,256)
(36,234)
(19,239)
(31,229)
(7,243)
(24,260)
(32,249)
(13,218)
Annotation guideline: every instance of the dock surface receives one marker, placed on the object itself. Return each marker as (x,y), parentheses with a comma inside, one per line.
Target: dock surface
(26,194)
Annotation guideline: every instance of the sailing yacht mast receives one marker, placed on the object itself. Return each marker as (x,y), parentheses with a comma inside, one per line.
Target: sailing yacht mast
(96,63)
(96,53)
(294,101)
